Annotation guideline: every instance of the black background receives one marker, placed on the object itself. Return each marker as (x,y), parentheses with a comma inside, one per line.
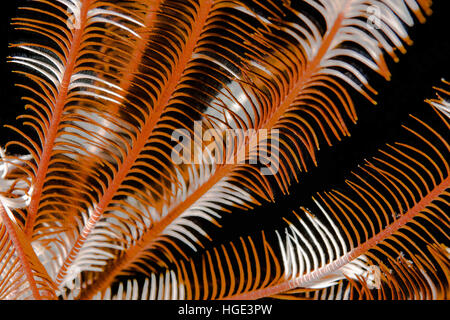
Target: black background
(425,63)
(413,78)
